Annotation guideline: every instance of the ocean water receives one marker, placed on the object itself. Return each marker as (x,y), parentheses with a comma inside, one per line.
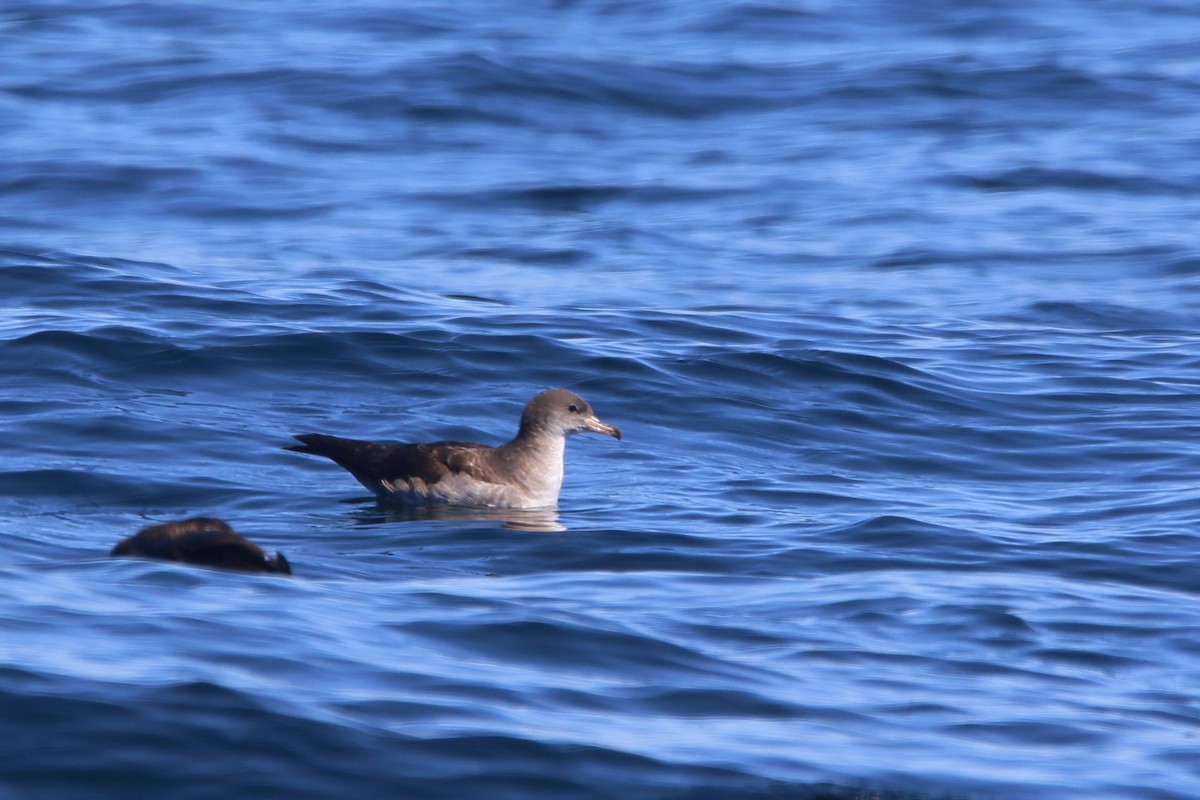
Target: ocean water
(897,305)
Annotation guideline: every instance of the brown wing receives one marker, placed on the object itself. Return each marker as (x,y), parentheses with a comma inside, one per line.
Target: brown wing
(228,551)
(374,464)
(204,541)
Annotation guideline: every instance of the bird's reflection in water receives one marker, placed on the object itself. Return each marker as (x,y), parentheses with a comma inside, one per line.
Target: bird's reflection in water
(534,520)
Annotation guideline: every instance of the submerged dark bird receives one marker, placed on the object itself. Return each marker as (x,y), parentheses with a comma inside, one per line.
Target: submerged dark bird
(203,541)
(524,473)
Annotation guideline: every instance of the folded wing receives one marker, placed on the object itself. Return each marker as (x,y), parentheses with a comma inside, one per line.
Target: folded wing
(388,468)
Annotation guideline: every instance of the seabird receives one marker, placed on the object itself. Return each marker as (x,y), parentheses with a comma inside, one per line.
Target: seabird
(524,473)
(205,541)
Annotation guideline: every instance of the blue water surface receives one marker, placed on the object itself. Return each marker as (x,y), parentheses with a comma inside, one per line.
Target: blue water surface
(897,305)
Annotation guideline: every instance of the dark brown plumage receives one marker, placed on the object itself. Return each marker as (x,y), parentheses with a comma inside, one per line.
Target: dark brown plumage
(203,541)
(375,462)
(523,473)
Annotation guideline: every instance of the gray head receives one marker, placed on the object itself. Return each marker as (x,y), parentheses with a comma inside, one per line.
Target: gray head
(563,412)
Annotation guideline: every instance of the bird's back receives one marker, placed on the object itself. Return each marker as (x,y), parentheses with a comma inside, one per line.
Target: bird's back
(204,541)
(437,471)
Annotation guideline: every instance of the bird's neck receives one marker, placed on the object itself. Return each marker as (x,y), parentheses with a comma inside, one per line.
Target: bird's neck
(540,456)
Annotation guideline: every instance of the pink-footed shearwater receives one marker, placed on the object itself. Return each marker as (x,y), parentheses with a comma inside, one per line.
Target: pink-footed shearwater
(204,541)
(524,473)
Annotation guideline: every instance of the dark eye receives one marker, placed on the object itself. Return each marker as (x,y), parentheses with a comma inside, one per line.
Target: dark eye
(574,409)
